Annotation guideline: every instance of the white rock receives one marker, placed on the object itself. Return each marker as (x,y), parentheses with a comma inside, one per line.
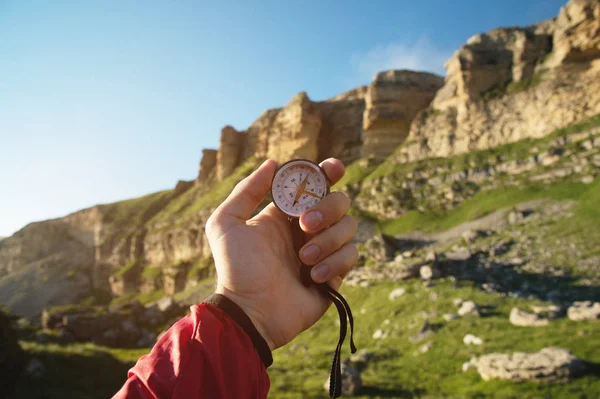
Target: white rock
(469,308)
(397,293)
(378,334)
(587,179)
(585,310)
(471,339)
(521,318)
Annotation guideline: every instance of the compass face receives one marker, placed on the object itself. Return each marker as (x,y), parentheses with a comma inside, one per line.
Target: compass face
(297,186)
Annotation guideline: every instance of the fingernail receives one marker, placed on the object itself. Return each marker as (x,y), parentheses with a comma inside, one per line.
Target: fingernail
(311,253)
(319,273)
(313,219)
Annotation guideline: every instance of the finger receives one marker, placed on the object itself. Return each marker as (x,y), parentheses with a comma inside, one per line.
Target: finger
(336,264)
(333,168)
(327,212)
(246,195)
(328,241)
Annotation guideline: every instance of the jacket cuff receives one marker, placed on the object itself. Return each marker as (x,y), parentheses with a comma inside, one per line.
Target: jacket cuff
(242,320)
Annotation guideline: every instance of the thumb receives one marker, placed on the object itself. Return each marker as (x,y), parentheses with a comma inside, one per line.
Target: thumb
(246,195)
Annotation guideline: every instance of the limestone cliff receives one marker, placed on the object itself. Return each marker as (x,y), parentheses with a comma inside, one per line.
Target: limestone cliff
(502,86)
(510,84)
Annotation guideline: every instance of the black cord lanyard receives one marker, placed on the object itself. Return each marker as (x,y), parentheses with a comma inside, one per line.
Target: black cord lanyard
(344,312)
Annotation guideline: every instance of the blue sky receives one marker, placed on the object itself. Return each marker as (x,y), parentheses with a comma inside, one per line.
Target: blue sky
(106,100)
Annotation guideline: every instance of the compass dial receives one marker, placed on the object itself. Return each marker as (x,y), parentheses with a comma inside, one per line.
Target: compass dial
(297,186)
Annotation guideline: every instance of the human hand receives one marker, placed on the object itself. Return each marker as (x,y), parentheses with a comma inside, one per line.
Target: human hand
(257,264)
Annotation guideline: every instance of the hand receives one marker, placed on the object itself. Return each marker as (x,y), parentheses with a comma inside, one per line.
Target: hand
(257,265)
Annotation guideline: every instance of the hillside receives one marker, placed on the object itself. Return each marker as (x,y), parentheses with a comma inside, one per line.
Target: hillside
(481,186)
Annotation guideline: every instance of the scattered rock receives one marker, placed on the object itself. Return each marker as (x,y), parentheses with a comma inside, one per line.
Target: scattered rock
(397,293)
(378,334)
(585,310)
(428,272)
(519,317)
(457,301)
(361,358)
(469,308)
(548,365)
(425,347)
(587,179)
(351,382)
(379,248)
(550,312)
(424,332)
(471,339)
(459,255)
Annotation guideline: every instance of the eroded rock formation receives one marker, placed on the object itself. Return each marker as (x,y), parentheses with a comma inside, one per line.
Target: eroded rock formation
(502,86)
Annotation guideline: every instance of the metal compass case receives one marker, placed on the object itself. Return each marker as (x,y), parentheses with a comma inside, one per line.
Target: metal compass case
(297,186)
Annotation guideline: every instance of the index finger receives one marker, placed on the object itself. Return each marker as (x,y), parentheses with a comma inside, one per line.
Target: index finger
(333,168)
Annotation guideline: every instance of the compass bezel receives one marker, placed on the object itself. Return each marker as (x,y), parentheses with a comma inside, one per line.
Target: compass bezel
(314,164)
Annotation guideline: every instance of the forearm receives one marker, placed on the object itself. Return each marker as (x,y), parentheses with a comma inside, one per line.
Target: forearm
(209,353)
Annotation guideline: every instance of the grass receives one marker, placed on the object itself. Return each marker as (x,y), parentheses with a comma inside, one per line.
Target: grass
(128,269)
(478,206)
(400,371)
(517,150)
(76,371)
(355,172)
(151,273)
(141,297)
(199,197)
(134,212)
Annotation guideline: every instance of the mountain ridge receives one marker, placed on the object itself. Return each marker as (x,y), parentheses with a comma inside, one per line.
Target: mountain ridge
(502,87)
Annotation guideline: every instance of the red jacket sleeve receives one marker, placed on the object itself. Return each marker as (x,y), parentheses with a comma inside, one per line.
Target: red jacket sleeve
(204,355)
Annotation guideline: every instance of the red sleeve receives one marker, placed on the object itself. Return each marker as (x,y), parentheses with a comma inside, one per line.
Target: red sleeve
(204,355)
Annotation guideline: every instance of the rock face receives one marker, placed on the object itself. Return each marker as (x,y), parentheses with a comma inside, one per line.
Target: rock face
(548,365)
(393,99)
(229,151)
(207,165)
(295,130)
(576,33)
(510,84)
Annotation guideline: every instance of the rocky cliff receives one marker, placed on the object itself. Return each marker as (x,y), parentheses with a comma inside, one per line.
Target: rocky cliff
(501,87)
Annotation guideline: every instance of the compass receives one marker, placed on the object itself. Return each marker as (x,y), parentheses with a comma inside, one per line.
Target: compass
(297,186)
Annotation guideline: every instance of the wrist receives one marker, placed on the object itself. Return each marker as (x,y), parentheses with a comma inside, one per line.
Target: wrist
(255,317)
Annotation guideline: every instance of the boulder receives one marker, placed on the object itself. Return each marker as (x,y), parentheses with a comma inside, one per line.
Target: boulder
(519,317)
(361,358)
(580,311)
(397,293)
(548,365)
(351,381)
(469,308)
(471,339)
(379,248)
